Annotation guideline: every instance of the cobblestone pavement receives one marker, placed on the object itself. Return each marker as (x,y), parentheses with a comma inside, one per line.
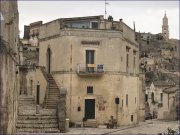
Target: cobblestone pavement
(148,127)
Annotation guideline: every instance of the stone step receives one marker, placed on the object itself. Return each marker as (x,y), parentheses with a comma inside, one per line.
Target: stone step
(31,130)
(55,94)
(49,121)
(51,104)
(20,101)
(24,99)
(53,90)
(90,123)
(39,126)
(36,117)
(53,87)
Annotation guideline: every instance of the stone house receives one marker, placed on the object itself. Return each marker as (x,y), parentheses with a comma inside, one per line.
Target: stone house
(96,61)
(29,60)
(170,108)
(9,61)
(154,96)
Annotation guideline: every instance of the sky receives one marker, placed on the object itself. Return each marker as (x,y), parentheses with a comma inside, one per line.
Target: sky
(146,14)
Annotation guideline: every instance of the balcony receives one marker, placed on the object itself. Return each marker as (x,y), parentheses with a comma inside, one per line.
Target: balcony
(90,70)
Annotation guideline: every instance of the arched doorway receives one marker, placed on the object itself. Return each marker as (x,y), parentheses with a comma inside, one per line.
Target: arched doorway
(48,60)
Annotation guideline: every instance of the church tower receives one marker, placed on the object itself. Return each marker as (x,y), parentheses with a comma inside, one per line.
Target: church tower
(165,27)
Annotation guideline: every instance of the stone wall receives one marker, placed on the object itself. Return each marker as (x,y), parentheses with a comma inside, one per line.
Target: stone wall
(9,74)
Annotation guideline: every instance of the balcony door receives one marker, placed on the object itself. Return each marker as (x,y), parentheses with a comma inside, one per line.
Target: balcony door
(89,60)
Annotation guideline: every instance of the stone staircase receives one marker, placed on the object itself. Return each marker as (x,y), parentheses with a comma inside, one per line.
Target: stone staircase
(53,93)
(30,122)
(91,123)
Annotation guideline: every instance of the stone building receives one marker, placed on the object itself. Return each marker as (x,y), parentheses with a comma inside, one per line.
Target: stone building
(29,60)
(95,60)
(9,61)
(170,108)
(154,96)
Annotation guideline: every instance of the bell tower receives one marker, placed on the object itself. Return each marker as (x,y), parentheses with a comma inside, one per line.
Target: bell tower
(165,27)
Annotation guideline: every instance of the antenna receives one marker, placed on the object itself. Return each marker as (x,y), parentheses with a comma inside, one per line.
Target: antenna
(105,8)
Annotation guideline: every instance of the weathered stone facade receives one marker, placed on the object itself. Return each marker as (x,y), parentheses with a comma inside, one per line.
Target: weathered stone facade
(9,61)
(63,46)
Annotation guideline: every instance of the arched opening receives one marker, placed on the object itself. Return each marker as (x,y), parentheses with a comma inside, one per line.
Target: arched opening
(31,87)
(149,68)
(48,60)
(152,96)
(146,97)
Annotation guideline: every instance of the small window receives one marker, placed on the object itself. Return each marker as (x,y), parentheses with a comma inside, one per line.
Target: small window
(127,49)
(152,96)
(161,96)
(89,89)
(127,60)
(134,52)
(146,97)
(126,99)
(132,118)
(94,25)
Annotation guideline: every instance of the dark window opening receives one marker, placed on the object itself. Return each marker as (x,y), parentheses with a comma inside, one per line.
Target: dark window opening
(152,96)
(161,96)
(126,99)
(131,117)
(90,56)
(127,49)
(127,62)
(89,89)
(146,97)
(94,25)
(89,60)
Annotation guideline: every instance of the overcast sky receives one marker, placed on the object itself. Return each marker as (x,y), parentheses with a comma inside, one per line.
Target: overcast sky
(146,14)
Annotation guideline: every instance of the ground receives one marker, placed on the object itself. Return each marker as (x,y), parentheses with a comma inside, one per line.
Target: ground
(148,127)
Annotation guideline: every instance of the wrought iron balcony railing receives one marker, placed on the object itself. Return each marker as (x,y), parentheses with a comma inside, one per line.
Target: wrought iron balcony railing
(90,70)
